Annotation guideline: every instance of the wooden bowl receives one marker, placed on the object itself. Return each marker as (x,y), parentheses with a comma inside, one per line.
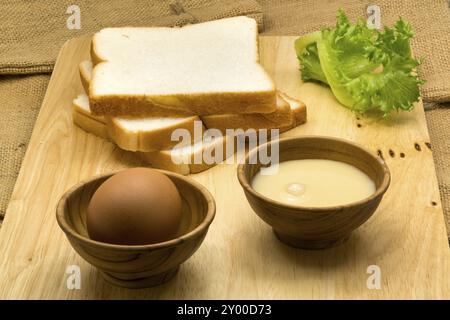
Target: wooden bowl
(316,227)
(137,266)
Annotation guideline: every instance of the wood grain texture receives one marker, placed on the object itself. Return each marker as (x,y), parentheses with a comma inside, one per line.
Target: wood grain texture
(240,257)
(312,227)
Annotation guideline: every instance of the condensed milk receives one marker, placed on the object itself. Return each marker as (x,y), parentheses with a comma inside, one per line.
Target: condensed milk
(315,183)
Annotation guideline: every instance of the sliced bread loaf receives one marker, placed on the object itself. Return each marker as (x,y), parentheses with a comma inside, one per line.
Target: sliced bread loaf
(202,69)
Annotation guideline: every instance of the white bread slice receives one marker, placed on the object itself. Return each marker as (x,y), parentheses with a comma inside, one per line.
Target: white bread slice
(282,116)
(147,134)
(85,69)
(185,157)
(139,134)
(202,69)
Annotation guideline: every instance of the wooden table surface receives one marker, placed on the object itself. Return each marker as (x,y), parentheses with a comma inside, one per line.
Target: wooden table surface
(240,257)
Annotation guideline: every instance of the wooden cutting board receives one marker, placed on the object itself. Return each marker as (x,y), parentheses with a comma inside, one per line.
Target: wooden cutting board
(240,257)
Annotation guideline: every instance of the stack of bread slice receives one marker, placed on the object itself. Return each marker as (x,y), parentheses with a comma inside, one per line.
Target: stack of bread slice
(141,84)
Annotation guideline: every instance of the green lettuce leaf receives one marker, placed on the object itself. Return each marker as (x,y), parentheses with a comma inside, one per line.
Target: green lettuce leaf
(309,58)
(365,68)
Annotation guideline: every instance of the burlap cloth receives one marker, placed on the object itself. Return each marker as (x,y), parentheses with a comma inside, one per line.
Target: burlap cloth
(32,32)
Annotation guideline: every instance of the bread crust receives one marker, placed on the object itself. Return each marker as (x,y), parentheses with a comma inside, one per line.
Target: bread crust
(282,116)
(146,141)
(90,124)
(159,160)
(80,109)
(163,159)
(182,104)
(95,57)
(85,75)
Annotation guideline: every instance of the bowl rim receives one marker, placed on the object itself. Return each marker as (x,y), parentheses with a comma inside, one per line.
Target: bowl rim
(246,185)
(204,225)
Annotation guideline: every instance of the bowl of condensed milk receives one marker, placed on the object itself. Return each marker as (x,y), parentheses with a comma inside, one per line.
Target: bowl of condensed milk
(319,190)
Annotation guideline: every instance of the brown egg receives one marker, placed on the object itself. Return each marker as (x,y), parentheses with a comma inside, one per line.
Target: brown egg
(134,207)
